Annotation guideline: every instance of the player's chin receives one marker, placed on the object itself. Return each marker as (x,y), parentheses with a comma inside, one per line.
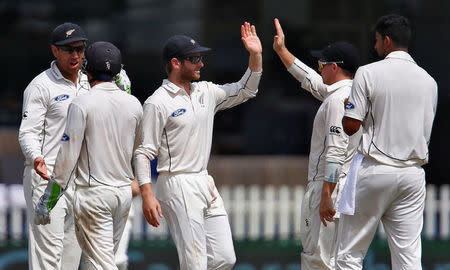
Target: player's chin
(196,75)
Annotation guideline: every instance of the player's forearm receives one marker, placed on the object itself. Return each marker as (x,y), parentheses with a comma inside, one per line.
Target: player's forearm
(142,168)
(332,172)
(286,57)
(147,191)
(327,189)
(311,80)
(255,62)
(249,82)
(29,143)
(135,188)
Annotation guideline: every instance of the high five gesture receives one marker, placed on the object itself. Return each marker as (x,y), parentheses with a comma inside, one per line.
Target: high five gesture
(253,45)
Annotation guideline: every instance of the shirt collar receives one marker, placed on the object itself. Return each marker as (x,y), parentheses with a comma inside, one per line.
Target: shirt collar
(400,55)
(339,84)
(173,88)
(107,86)
(55,71)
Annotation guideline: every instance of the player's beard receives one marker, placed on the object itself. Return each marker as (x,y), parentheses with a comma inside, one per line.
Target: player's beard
(188,74)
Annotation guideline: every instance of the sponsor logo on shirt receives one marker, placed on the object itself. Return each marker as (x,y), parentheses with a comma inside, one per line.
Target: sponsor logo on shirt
(334,130)
(349,106)
(62,97)
(65,138)
(178,112)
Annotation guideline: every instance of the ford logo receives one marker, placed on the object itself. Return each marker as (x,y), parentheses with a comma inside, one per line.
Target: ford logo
(349,106)
(65,138)
(61,97)
(178,112)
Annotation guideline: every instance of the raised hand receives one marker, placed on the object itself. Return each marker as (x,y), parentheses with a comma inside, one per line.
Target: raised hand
(250,39)
(279,46)
(278,39)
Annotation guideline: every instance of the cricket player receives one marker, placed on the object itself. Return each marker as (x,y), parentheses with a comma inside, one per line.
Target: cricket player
(177,129)
(395,101)
(45,104)
(331,149)
(97,144)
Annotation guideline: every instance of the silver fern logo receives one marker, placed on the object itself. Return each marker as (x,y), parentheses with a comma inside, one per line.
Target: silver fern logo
(69,33)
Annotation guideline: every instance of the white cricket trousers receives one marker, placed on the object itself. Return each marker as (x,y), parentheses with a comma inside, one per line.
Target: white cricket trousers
(121,256)
(101,213)
(53,246)
(197,220)
(318,241)
(396,196)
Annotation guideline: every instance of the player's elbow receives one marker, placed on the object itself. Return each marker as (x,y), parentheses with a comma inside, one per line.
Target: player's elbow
(351,126)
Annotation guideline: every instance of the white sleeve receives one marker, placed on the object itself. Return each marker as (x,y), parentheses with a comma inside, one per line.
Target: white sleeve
(309,79)
(232,94)
(337,140)
(149,134)
(71,143)
(33,118)
(357,105)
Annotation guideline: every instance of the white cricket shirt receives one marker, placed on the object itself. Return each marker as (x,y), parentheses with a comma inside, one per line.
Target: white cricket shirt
(396,101)
(45,103)
(329,143)
(99,138)
(177,128)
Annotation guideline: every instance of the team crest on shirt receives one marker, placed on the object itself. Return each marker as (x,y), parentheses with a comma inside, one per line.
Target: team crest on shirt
(62,97)
(65,138)
(349,106)
(178,112)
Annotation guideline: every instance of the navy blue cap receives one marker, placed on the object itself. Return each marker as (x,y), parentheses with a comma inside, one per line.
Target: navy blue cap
(67,33)
(340,51)
(103,60)
(181,45)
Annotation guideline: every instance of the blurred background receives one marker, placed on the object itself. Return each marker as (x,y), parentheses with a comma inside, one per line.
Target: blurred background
(259,148)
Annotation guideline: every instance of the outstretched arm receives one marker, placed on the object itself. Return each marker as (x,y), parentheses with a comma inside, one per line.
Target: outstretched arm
(280,48)
(253,46)
(308,77)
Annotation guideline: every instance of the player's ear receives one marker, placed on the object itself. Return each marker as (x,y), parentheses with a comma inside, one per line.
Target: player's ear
(54,51)
(176,63)
(387,42)
(335,67)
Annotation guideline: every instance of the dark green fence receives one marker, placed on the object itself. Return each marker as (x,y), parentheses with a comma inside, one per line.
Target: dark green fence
(251,255)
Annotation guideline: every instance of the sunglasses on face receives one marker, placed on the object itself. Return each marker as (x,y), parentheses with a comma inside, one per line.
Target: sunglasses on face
(193,59)
(71,49)
(323,63)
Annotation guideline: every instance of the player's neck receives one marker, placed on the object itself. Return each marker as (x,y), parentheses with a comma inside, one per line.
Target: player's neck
(341,77)
(184,84)
(393,49)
